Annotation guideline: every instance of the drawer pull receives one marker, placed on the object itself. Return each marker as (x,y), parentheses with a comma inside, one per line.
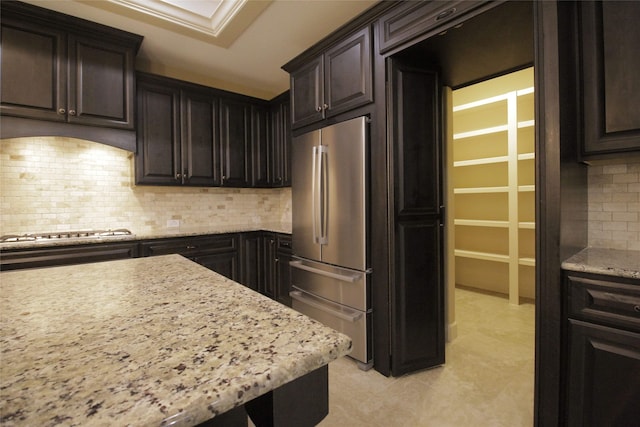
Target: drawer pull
(636,308)
(191,247)
(446,13)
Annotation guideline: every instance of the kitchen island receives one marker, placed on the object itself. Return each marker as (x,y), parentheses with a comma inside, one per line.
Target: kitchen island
(147,341)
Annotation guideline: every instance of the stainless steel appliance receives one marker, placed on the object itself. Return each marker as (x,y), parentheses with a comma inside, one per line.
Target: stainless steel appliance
(330,271)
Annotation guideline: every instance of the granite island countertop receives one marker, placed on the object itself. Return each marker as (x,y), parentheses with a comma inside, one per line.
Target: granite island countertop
(610,262)
(145,341)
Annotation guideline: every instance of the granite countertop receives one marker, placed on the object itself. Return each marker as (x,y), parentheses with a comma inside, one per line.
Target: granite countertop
(145,341)
(611,262)
(182,231)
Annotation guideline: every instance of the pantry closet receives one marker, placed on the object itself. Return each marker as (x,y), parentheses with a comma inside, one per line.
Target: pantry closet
(491,169)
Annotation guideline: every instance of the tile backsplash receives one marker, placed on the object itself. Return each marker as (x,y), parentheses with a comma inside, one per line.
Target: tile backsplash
(54,183)
(614,203)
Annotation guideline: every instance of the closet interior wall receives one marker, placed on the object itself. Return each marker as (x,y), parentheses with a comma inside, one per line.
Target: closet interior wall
(493,176)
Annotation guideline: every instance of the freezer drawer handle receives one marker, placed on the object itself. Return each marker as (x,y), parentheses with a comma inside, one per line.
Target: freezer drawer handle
(343,277)
(353,317)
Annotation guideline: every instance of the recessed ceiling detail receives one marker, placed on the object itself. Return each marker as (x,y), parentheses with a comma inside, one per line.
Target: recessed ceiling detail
(208,17)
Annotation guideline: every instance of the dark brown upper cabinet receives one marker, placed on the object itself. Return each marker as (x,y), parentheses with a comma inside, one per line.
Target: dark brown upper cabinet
(177,134)
(260,146)
(65,73)
(415,19)
(610,36)
(235,126)
(280,153)
(336,81)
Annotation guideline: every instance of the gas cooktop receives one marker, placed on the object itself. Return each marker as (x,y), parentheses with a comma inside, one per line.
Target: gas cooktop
(58,235)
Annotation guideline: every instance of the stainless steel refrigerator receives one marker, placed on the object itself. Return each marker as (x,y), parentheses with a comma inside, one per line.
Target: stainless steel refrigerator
(330,271)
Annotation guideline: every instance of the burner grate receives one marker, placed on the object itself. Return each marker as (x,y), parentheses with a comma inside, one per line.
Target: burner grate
(58,235)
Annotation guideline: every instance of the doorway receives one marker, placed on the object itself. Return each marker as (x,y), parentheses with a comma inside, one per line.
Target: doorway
(493,44)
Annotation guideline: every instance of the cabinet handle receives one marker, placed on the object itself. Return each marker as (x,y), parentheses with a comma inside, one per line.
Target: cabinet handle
(636,308)
(325,106)
(178,176)
(446,13)
(318,108)
(72,112)
(191,247)
(61,111)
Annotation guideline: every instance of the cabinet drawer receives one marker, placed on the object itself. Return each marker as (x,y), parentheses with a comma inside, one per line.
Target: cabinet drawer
(191,246)
(415,18)
(605,302)
(284,243)
(67,255)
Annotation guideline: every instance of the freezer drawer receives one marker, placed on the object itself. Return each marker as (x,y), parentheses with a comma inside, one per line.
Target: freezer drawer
(342,285)
(353,323)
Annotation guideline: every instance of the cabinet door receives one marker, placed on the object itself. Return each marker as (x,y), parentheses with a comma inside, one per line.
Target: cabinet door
(101,83)
(158,135)
(269,257)
(417,296)
(33,69)
(235,133)
(260,147)
(347,74)
(604,367)
(610,37)
(283,270)
(200,143)
(280,160)
(307,94)
(252,261)
(225,263)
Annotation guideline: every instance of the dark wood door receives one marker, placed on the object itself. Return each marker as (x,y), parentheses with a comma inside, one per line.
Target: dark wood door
(603,372)
(200,142)
(235,128)
(283,270)
(260,147)
(610,36)
(280,158)
(225,263)
(158,157)
(269,257)
(417,291)
(307,93)
(101,83)
(33,70)
(252,260)
(347,74)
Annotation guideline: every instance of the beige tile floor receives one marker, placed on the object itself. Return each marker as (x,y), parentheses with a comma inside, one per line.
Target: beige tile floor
(487,379)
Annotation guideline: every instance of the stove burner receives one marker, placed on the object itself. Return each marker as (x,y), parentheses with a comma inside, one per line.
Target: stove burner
(30,237)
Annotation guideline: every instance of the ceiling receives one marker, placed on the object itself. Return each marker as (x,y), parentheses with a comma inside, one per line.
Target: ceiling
(247,59)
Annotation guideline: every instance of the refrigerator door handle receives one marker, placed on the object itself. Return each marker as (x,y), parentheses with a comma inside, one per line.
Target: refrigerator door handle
(315,193)
(323,184)
(342,277)
(348,315)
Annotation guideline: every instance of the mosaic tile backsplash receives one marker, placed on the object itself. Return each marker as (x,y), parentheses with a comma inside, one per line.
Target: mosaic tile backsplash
(614,203)
(57,184)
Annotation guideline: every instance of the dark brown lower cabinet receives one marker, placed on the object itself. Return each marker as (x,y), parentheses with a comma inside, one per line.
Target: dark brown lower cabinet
(66,255)
(251,260)
(283,270)
(265,264)
(217,252)
(603,351)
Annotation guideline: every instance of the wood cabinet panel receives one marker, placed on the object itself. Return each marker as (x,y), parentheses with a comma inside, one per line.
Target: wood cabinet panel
(235,126)
(610,37)
(261,152)
(67,255)
(337,81)
(200,143)
(413,19)
(33,80)
(158,159)
(280,145)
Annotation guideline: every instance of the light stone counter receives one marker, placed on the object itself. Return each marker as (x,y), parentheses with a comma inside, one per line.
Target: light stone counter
(142,341)
(611,262)
(183,231)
